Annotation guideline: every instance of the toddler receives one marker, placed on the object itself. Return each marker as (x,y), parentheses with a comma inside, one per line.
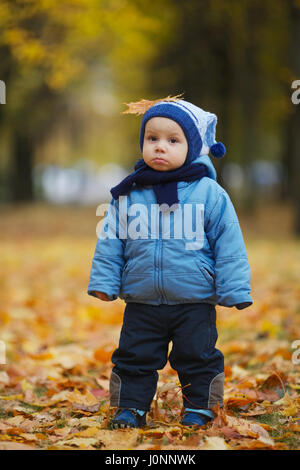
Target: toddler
(171,246)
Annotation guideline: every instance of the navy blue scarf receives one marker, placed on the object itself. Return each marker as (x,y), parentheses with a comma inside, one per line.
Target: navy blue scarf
(164,182)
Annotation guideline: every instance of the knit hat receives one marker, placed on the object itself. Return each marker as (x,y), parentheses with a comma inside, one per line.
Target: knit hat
(199,127)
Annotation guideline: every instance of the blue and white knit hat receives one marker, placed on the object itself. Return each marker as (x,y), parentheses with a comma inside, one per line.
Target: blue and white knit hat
(198,125)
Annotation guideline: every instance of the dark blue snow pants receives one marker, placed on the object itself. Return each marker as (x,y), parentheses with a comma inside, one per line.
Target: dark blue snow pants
(143,349)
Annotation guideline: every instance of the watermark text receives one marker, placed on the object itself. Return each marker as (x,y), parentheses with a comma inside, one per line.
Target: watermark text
(296,94)
(2,92)
(296,354)
(140,221)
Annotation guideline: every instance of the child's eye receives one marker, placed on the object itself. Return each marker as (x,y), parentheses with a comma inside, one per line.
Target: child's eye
(152,138)
(173,140)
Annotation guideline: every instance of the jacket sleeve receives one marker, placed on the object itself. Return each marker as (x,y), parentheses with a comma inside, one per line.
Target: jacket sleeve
(232,271)
(108,260)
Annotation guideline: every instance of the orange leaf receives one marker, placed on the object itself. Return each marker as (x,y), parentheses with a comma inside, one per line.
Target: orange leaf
(237,402)
(42,356)
(102,355)
(294,427)
(140,107)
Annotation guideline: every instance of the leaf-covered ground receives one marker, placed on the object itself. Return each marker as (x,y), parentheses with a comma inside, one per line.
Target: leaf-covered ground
(54,385)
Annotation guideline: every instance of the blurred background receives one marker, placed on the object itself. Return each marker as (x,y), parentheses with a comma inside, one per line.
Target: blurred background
(69,67)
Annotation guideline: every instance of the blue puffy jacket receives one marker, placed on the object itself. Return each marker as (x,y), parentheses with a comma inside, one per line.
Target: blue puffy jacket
(162,266)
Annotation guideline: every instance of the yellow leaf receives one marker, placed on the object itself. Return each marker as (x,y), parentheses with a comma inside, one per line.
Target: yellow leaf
(120,439)
(289,404)
(269,327)
(90,432)
(291,410)
(29,436)
(285,400)
(295,387)
(79,442)
(87,399)
(26,385)
(11,397)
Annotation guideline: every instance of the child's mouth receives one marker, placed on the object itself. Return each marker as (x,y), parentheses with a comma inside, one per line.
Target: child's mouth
(159,160)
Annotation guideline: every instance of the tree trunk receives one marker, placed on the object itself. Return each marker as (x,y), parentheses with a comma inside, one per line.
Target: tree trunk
(21,174)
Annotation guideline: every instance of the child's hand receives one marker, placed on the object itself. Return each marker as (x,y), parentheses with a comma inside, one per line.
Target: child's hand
(102,296)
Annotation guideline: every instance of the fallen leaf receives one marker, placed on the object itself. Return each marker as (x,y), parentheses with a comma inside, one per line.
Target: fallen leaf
(263,434)
(103,355)
(98,393)
(4,377)
(7,445)
(294,427)
(214,443)
(84,443)
(89,432)
(121,439)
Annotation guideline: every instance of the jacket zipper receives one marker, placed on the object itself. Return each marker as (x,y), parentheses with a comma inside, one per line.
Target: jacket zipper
(159,261)
(162,289)
(156,267)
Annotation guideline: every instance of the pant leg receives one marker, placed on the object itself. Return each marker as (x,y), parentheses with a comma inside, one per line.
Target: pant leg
(143,349)
(199,364)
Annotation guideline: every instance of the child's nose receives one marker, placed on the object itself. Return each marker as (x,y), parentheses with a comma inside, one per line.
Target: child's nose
(160,147)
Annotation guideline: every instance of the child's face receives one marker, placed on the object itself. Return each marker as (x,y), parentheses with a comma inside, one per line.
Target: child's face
(165,146)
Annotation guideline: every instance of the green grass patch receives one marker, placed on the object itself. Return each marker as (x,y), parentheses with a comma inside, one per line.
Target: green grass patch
(292,440)
(40,391)
(31,407)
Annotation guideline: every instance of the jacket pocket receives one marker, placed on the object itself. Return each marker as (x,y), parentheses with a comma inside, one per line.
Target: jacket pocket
(209,276)
(137,286)
(207,272)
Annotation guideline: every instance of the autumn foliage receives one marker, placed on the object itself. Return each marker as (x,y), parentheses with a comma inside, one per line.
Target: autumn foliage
(54,387)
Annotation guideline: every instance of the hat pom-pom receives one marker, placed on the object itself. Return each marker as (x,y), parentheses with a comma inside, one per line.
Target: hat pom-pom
(218,150)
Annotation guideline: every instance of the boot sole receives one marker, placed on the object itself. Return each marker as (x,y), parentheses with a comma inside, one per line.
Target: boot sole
(122,426)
